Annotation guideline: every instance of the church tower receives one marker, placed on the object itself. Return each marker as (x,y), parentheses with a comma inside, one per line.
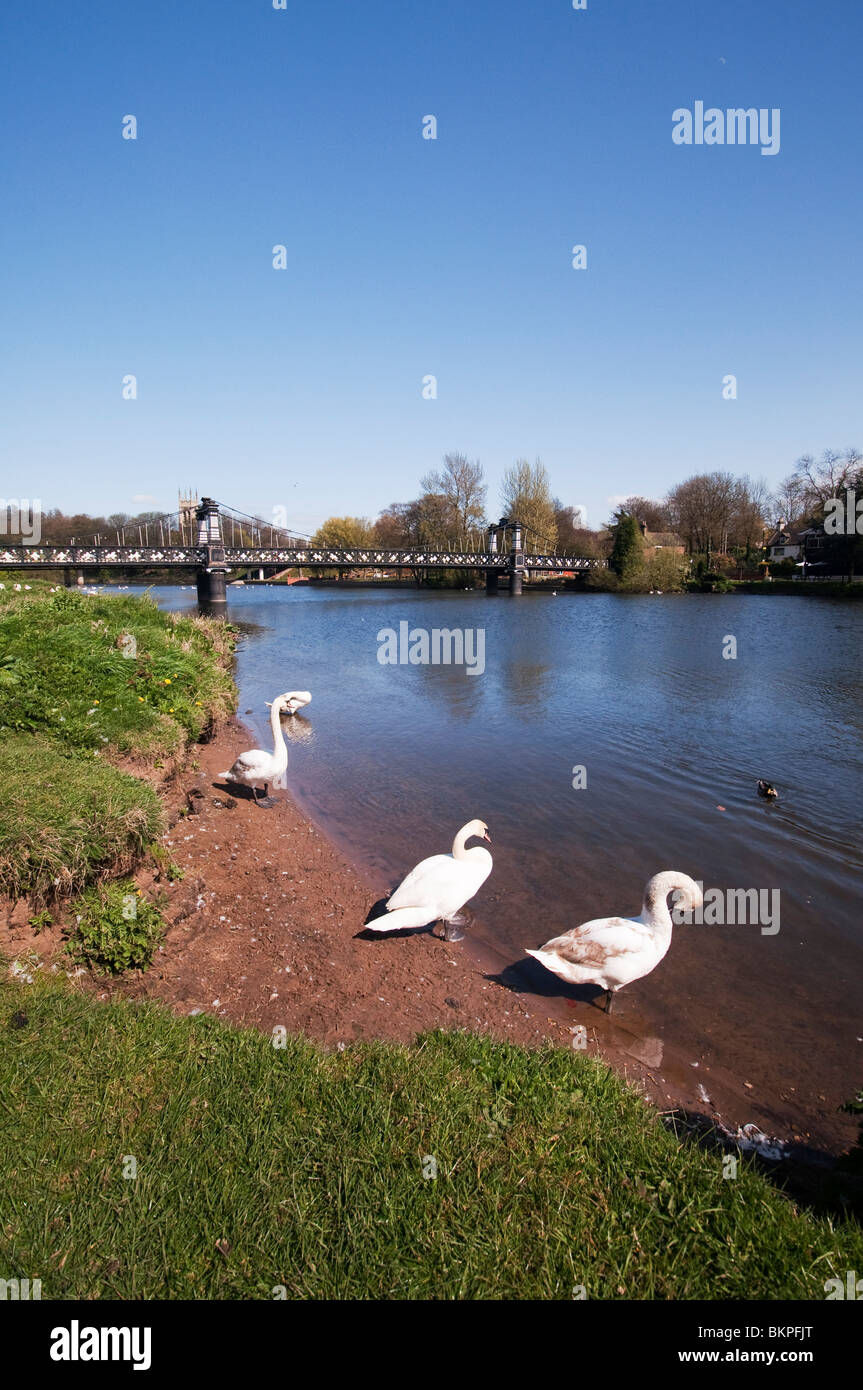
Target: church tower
(188,520)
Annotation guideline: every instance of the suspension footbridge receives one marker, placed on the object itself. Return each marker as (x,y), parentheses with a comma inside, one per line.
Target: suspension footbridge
(209,546)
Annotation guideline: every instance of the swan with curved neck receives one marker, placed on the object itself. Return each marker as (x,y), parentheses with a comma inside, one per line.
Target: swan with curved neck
(439,887)
(257,767)
(613,951)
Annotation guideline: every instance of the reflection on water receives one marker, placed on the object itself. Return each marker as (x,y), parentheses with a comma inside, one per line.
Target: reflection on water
(673,738)
(297,728)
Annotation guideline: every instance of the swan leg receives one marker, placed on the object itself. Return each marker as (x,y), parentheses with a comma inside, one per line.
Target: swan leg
(265,801)
(452,927)
(459,919)
(609,1000)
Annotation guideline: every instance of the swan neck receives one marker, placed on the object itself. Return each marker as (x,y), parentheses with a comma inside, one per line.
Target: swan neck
(655,912)
(657,916)
(279,744)
(458,844)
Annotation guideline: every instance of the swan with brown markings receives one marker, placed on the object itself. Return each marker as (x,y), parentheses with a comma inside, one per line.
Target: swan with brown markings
(613,951)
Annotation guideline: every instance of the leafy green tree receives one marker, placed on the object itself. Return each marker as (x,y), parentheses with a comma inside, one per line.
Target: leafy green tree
(345,533)
(627,552)
(664,570)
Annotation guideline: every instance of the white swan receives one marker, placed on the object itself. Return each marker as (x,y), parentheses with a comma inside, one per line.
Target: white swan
(436,889)
(258,768)
(295,700)
(614,951)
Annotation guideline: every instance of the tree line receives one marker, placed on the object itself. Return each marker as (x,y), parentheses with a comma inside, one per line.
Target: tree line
(711,513)
(451,513)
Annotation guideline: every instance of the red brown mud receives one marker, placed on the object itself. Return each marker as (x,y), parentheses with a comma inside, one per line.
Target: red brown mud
(263,932)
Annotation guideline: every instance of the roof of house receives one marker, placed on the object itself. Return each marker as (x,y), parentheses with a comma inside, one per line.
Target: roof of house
(662,538)
(785,537)
(794,536)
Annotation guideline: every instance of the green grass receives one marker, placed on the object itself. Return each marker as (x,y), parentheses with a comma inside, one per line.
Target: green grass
(260,1167)
(110,673)
(67,819)
(84,680)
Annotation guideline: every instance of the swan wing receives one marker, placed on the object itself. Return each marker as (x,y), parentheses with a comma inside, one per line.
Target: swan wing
(421,884)
(441,884)
(255,765)
(255,760)
(594,944)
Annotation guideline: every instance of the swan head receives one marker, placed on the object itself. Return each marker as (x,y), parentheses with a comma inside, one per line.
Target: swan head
(295,699)
(479,829)
(290,702)
(687,893)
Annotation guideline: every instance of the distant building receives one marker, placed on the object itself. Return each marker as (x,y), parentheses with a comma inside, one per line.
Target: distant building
(188,507)
(661,540)
(797,544)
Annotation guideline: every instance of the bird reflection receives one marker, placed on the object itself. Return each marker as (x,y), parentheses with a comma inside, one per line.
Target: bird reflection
(296,728)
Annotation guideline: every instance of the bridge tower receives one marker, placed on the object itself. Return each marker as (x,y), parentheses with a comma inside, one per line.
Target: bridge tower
(212,571)
(515,568)
(516,560)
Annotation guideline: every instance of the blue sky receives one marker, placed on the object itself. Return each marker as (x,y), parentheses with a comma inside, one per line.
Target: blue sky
(302,388)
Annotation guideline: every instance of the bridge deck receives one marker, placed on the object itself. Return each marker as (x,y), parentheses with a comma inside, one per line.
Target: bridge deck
(128,557)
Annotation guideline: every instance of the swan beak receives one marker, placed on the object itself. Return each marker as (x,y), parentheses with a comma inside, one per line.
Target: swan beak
(486,836)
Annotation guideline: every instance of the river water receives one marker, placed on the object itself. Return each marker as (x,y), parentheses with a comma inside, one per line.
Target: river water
(391,759)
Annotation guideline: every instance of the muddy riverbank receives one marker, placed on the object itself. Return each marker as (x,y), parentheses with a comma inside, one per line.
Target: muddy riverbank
(266,930)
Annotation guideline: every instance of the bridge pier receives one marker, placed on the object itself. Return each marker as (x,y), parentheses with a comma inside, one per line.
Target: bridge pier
(491,577)
(211,585)
(72,576)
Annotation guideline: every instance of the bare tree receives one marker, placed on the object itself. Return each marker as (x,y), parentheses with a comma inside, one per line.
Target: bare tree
(436,521)
(716,511)
(395,526)
(573,537)
(654,514)
(461,482)
(751,512)
(812,483)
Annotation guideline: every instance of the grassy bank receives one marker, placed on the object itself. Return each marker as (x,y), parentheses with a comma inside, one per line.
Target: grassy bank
(92,691)
(260,1167)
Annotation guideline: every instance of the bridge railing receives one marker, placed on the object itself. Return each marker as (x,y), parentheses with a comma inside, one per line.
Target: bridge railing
(59,556)
(109,556)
